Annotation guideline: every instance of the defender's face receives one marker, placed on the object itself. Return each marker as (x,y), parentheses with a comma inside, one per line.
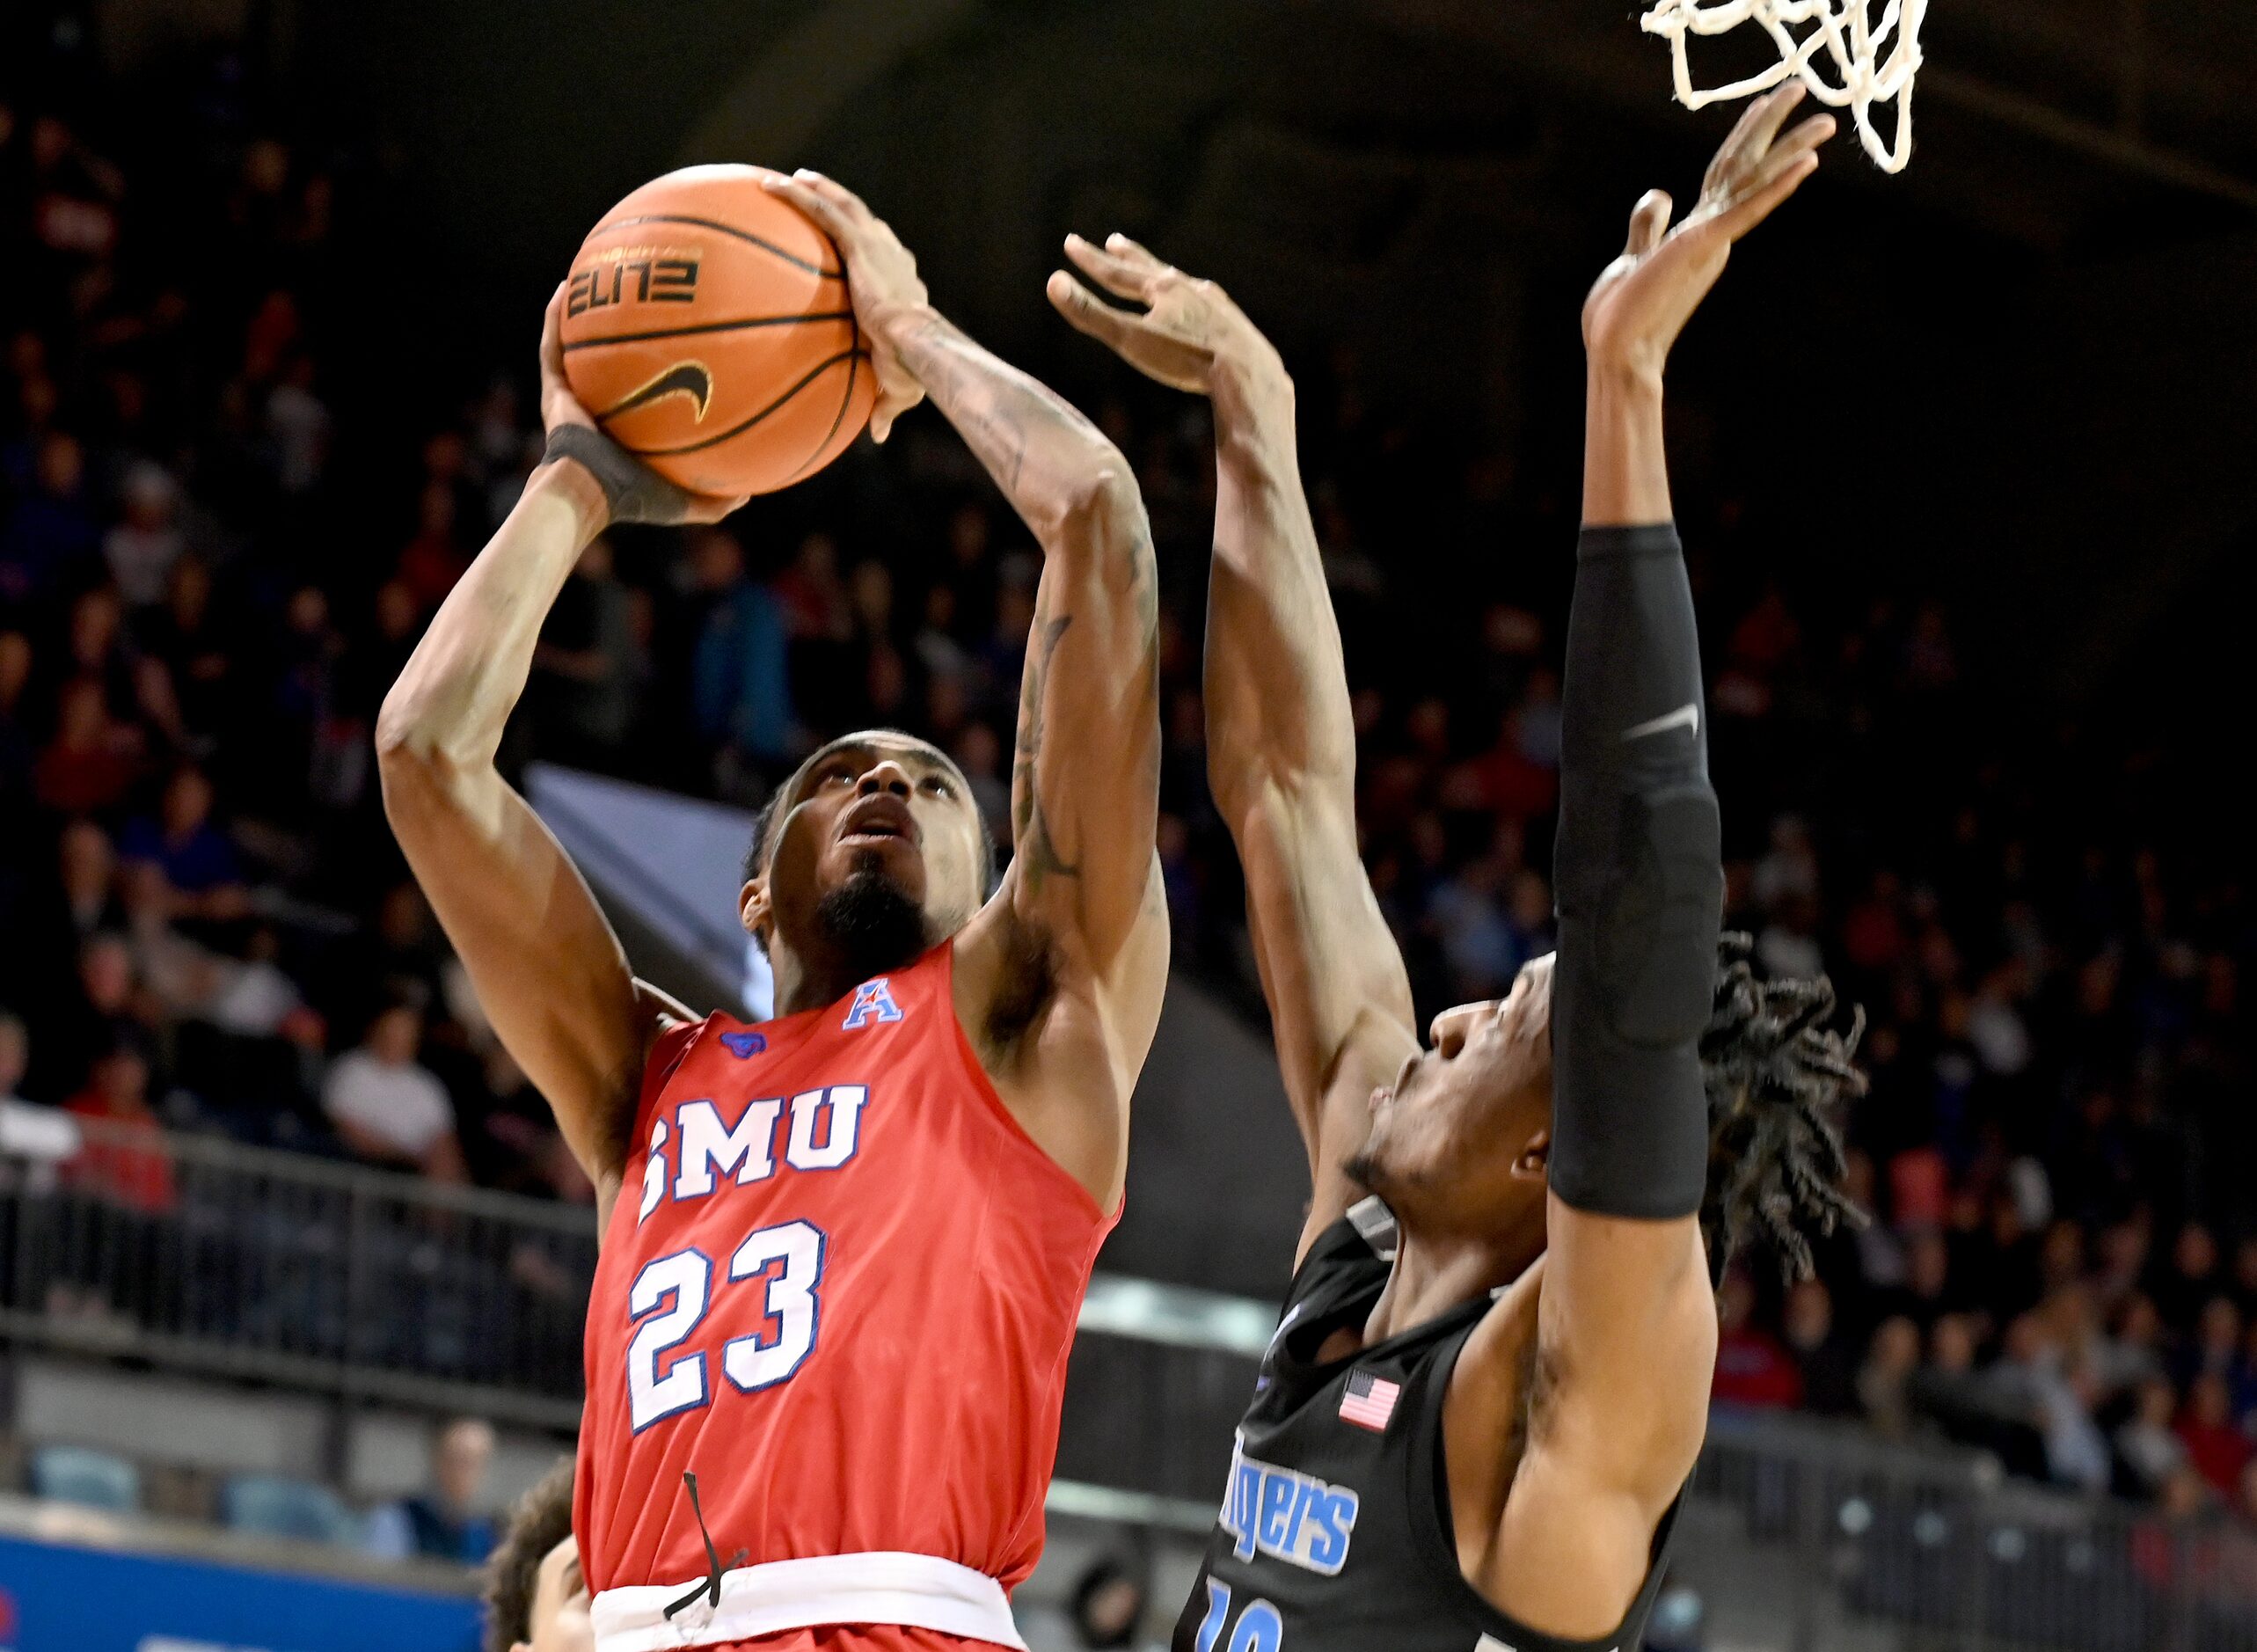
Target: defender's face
(560,1621)
(879,805)
(1463,1132)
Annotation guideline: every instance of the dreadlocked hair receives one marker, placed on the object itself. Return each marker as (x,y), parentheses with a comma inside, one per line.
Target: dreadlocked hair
(541,1520)
(1775,1072)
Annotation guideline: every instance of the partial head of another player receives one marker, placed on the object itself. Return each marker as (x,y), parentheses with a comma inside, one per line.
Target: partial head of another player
(536,1598)
(872,853)
(1460,1143)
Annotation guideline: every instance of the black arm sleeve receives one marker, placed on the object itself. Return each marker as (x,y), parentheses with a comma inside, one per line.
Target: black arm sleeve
(1640,886)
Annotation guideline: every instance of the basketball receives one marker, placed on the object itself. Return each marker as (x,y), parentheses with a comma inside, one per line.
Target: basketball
(707,328)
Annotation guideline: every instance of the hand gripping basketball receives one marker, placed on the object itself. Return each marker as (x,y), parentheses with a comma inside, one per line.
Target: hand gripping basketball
(632,491)
(881,274)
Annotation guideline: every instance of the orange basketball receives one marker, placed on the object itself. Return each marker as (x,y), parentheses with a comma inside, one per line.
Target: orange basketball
(708,329)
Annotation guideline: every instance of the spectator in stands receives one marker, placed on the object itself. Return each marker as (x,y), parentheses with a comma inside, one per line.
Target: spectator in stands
(589,667)
(442,1523)
(1927,1293)
(1751,1367)
(142,549)
(51,527)
(124,1160)
(1108,1604)
(388,1109)
(2148,1451)
(741,691)
(2216,1346)
(200,870)
(93,757)
(34,1141)
(2076,1451)
(1884,1379)
(88,883)
(105,1008)
(2191,1279)
(2215,1447)
(1823,1358)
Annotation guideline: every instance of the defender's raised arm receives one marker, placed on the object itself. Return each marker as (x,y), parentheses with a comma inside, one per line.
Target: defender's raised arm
(1626,1324)
(1280,738)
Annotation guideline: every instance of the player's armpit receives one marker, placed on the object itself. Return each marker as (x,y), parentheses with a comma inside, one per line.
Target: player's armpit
(1064,974)
(1564,1454)
(1615,1407)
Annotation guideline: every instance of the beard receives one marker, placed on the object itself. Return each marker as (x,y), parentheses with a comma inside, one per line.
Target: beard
(872,923)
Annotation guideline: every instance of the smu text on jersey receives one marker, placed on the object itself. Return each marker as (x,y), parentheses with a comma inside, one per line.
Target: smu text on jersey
(1289,1517)
(704,1147)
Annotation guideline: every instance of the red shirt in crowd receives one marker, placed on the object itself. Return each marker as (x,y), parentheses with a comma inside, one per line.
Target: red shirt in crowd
(2218,1450)
(1753,1369)
(119,1170)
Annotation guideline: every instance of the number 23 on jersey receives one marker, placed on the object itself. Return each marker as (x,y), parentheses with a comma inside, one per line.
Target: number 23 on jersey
(786,1261)
(672,1295)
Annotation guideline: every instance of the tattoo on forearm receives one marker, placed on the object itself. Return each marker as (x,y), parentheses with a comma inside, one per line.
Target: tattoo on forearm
(1033,843)
(998,410)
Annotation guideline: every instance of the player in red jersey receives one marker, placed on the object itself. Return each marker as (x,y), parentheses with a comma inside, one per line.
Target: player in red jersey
(843,1250)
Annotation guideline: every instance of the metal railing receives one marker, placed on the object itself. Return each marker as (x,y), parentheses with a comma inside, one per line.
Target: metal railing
(205,1256)
(1863,1542)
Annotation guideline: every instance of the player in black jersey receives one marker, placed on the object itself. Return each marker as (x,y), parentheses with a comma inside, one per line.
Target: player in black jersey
(1491,1379)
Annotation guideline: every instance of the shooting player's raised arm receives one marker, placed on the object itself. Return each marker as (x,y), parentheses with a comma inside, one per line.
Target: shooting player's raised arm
(549,972)
(1082,918)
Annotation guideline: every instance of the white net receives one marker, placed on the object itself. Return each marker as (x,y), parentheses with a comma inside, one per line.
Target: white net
(1845,55)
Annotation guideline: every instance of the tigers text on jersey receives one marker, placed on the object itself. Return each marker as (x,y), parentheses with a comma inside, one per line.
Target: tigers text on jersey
(840,1286)
(1334,1534)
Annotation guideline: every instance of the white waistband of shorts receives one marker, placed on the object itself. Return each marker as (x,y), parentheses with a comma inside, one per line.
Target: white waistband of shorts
(922,1590)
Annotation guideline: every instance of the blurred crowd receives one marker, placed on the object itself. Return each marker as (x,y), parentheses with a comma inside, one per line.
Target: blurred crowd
(205,589)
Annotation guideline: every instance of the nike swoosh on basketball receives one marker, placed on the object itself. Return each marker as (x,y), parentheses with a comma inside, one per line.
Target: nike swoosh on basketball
(683,378)
(1686,716)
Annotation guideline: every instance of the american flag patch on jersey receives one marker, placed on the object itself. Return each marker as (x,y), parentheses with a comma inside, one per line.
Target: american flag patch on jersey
(1369,1400)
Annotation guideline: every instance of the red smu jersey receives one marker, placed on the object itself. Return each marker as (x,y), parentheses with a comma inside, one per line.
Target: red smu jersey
(840,1286)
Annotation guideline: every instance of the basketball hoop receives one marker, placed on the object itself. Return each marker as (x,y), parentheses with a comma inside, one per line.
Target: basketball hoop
(1873,61)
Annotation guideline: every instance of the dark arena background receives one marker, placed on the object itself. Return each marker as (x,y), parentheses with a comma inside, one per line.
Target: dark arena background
(293,1261)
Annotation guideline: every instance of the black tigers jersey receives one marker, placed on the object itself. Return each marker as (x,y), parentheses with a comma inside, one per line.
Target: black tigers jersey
(1335,1531)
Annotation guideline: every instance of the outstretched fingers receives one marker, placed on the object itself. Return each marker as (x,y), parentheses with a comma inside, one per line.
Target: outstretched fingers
(1122,276)
(1770,113)
(1744,150)
(1085,312)
(1760,202)
(1120,246)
